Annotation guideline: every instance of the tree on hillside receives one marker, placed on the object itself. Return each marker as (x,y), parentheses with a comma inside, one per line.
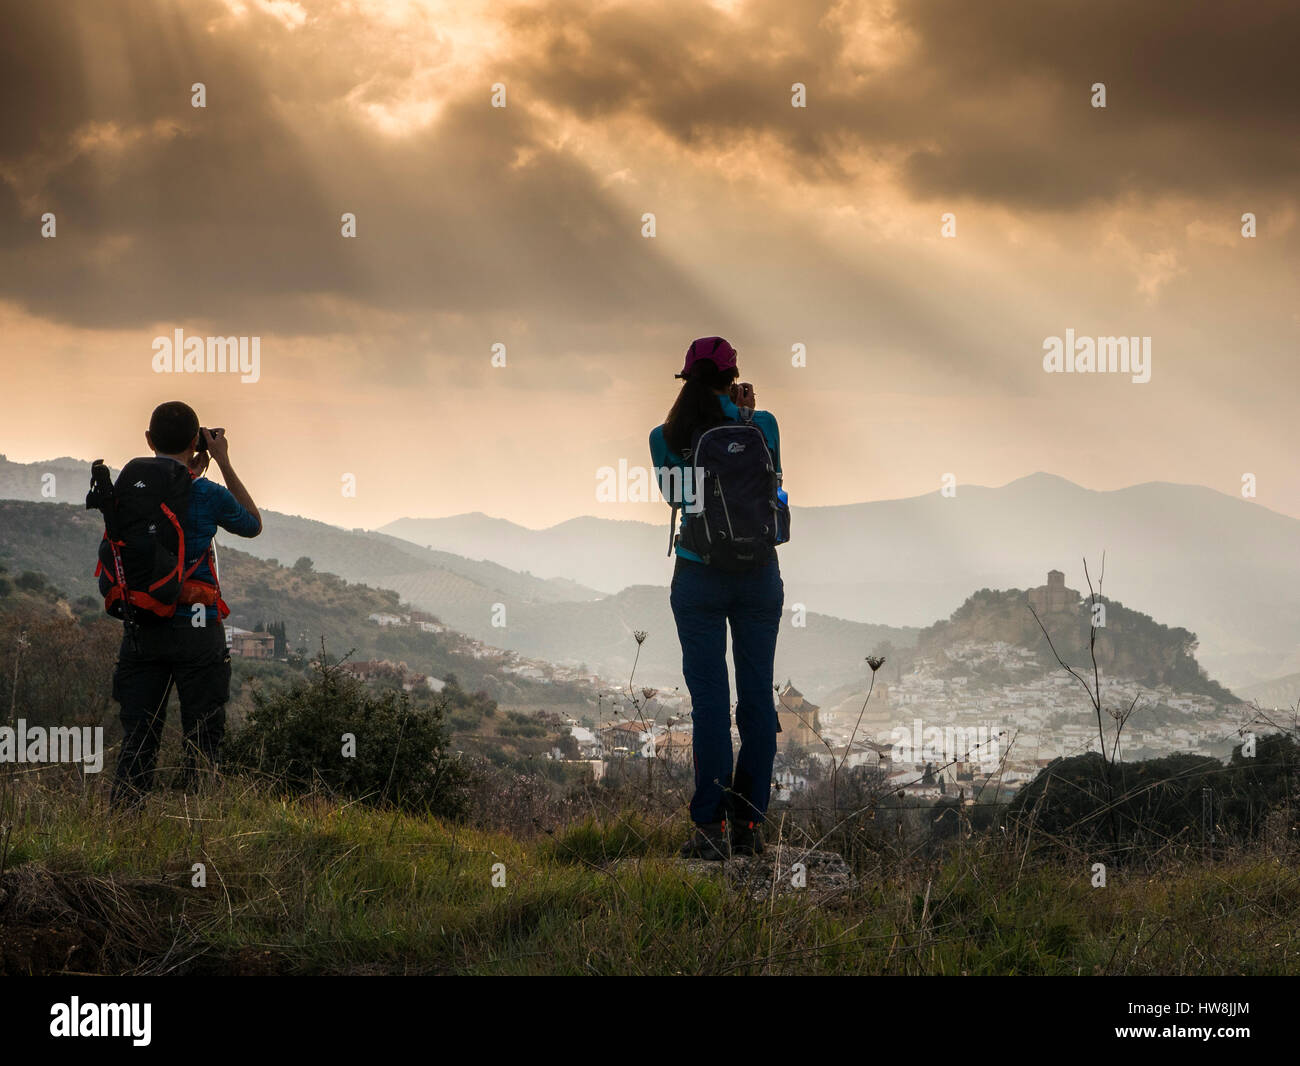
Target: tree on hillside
(56,668)
(277,630)
(304,564)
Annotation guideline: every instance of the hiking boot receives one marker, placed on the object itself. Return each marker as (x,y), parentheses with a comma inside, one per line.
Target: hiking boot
(708,842)
(746,838)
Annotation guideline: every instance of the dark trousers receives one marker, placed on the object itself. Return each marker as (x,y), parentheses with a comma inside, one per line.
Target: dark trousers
(704,600)
(197,660)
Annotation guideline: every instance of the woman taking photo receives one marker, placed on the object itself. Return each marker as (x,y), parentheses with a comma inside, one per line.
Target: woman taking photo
(719,461)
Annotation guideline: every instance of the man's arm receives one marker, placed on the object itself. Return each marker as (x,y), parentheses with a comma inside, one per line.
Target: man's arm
(238,491)
(219,449)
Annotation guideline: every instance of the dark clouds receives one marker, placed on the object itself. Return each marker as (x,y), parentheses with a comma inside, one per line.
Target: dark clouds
(164,211)
(986,101)
(483,224)
(167,212)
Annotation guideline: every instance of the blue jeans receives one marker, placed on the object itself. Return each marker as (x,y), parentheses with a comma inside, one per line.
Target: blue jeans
(704,599)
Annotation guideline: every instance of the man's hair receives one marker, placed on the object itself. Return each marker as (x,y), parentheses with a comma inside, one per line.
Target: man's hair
(173,426)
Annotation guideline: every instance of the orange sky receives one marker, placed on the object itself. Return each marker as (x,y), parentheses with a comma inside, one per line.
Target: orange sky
(775,226)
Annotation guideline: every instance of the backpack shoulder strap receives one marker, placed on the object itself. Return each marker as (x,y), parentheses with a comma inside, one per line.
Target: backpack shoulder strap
(675,505)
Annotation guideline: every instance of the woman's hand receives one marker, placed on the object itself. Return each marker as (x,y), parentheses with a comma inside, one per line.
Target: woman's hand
(742,394)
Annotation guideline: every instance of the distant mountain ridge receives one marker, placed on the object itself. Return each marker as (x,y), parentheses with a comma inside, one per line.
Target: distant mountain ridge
(612,554)
(1227,569)
(556,619)
(823,653)
(464,590)
(58,542)
(1224,567)
(1282,693)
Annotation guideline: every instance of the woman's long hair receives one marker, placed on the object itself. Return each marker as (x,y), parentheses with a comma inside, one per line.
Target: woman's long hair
(696,406)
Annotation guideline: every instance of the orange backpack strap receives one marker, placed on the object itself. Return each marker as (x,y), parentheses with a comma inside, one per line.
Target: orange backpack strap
(207,593)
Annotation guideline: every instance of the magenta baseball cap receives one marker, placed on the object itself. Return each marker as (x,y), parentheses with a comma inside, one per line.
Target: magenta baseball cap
(716,349)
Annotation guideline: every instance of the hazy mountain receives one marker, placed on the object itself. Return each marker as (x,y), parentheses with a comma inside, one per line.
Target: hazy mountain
(462,592)
(824,653)
(361,555)
(59,542)
(556,619)
(29,481)
(1226,568)
(1281,692)
(601,553)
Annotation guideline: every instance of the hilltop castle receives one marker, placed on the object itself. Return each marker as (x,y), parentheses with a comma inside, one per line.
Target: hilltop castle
(1054,596)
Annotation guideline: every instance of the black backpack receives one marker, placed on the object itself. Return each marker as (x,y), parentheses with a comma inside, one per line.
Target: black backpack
(737,519)
(142,553)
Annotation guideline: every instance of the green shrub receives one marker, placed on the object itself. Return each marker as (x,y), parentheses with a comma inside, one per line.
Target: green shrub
(296,738)
(1152,801)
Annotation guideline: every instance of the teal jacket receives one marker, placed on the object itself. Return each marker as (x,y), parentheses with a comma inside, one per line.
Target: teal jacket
(662,457)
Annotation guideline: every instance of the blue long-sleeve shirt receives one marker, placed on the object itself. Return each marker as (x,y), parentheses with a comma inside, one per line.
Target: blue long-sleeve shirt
(664,458)
(212,507)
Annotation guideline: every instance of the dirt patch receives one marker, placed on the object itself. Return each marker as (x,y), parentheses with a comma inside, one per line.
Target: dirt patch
(52,923)
(783,870)
(40,950)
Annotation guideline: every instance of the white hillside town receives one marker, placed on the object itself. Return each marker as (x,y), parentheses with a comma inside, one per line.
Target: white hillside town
(981,716)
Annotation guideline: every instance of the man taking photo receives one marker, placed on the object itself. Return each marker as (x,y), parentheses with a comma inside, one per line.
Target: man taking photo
(179,640)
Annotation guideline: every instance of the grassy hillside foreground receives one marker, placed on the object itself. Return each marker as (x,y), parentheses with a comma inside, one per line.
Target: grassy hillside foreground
(307,886)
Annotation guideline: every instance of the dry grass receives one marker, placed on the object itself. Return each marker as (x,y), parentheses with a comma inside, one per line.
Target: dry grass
(308,886)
